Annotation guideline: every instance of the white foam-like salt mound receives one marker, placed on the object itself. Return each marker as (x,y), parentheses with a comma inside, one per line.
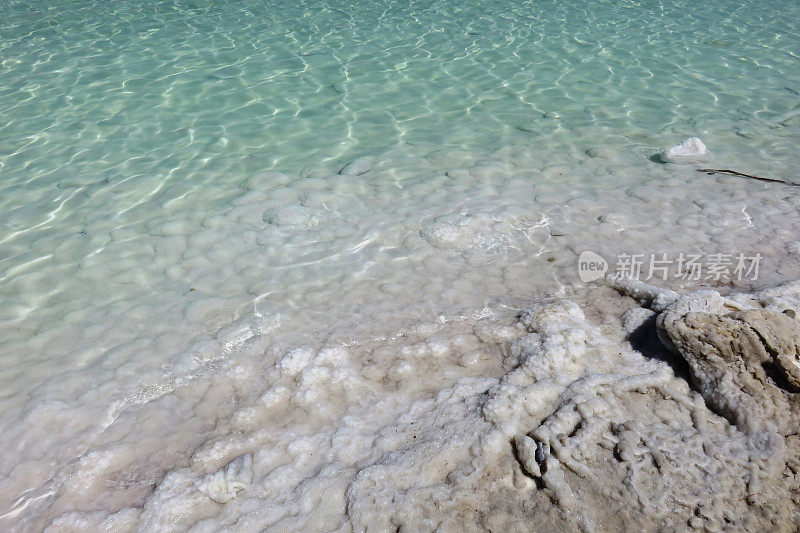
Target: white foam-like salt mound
(690,150)
(223,485)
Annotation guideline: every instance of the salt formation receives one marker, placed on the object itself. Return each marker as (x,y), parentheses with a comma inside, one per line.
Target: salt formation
(602,429)
(226,482)
(548,420)
(689,151)
(744,359)
(172,302)
(297,263)
(746,364)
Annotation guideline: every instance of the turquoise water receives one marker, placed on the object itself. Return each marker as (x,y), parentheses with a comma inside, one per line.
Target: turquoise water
(175,173)
(98,91)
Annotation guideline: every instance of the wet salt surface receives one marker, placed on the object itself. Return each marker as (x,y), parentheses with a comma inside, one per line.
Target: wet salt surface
(246,232)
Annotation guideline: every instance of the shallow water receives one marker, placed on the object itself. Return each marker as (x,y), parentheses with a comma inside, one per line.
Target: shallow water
(182,181)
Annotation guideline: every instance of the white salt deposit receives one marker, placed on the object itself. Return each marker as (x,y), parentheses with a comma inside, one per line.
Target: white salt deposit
(689,151)
(225,483)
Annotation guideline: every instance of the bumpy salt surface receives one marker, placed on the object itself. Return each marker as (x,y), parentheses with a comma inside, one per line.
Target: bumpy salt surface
(547,419)
(334,341)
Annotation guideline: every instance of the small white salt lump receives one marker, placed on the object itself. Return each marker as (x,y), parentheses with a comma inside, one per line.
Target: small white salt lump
(690,150)
(223,485)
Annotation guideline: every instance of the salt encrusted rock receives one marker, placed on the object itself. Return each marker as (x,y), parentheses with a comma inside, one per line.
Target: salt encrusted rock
(599,428)
(703,301)
(781,337)
(655,298)
(689,151)
(744,362)
(746,365)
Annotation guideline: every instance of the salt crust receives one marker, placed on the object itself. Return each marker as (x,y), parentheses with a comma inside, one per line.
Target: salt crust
(564,425)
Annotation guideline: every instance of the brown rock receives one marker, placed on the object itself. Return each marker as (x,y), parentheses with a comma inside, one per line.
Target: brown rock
(745,364)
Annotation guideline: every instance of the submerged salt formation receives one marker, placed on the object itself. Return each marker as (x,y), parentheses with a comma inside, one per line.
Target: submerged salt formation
(690,150)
